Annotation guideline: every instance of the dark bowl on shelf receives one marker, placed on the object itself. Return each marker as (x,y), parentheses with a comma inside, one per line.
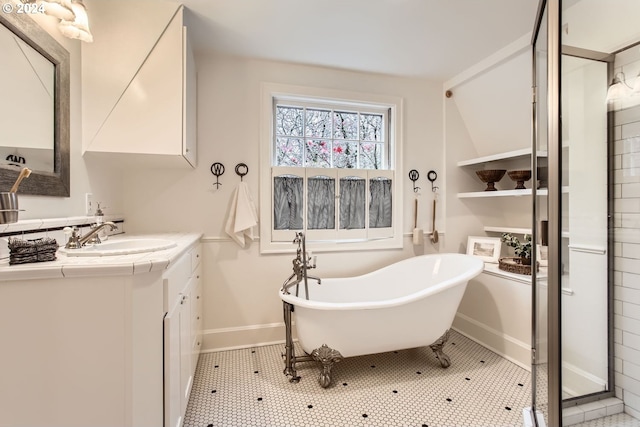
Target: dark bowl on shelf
(543,175)
(520,176)
(491,176)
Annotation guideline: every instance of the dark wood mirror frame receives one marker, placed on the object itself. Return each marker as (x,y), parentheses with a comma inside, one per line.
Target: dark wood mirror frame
(45,183)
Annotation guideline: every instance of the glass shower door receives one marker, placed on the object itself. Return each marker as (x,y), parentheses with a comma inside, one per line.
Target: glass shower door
(545,339)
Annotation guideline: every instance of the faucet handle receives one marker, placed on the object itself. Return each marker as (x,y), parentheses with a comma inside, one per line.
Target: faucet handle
(74,240)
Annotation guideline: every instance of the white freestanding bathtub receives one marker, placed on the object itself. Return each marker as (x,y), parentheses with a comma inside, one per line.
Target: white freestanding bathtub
(411,303)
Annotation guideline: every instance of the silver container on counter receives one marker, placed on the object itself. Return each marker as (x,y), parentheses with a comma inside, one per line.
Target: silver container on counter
(8,207)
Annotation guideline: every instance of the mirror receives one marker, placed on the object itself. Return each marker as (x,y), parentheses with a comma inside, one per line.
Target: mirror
(34,109)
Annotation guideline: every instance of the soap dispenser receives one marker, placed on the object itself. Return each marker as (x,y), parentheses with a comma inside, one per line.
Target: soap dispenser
(100,220)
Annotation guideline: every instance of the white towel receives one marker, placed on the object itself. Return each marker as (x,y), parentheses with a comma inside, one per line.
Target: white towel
(243,216)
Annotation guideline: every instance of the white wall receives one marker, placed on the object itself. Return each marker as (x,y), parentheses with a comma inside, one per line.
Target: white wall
(241,303)
(85,177)
(490,113)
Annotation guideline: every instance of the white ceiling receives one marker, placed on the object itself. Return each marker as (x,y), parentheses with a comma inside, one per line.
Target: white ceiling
(434,39)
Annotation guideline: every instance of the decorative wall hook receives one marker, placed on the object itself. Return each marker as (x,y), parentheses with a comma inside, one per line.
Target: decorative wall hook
(217,169)
(241,170)
(432,176)
(413,176)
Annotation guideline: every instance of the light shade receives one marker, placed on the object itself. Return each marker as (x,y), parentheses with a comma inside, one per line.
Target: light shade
(618,89)
(636,86)
(78,28)
(61,9)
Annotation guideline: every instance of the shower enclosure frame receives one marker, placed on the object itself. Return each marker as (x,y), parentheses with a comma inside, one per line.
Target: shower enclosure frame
(552,404)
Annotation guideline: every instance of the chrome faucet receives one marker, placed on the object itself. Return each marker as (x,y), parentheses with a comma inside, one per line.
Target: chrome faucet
(76,241)
(301,264)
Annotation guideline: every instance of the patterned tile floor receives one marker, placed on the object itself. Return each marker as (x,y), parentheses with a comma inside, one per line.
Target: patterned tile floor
(404,388)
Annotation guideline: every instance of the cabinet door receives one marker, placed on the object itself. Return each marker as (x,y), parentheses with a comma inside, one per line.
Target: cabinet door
(186,376)
(189,147)
(172,390)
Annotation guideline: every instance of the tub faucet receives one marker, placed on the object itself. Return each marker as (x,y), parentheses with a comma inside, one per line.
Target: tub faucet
(301,264)
(76,241)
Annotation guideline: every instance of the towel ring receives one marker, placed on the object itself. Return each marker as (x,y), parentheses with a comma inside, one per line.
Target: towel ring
(413,176)
(240,167)
(217,169)
(432,176)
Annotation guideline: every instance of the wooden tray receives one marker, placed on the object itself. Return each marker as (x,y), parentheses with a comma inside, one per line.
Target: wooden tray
(514,265)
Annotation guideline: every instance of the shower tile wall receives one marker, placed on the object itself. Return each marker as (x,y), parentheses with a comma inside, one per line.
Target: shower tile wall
(626,189)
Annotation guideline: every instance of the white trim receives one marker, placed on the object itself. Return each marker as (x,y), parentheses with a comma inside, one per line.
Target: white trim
(392,103)
(518,46)
(581,381)
(242,337)
(483,335)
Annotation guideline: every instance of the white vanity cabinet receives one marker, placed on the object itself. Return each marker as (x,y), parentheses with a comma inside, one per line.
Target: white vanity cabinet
(182,333)
(101,341)
(82,351)
(141,108)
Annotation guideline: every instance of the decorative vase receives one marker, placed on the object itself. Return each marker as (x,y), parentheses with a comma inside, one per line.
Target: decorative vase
(520,176)
(525,260)
(490,177)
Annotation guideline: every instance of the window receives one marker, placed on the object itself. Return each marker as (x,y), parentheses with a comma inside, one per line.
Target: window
(329,170)
(330,138)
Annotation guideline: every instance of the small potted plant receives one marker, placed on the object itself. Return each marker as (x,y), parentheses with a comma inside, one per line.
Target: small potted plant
(522,250)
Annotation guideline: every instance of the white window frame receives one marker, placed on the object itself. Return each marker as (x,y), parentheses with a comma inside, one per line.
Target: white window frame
(390,239)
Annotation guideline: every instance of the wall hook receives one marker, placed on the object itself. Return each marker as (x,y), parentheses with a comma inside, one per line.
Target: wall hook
(241,170)
(413,176)
(432,176)
(217,169)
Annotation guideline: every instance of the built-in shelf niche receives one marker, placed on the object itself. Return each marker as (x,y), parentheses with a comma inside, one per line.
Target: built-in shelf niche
(518,155)
(508,155)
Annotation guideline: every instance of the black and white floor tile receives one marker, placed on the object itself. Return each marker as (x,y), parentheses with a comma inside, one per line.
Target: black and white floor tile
(405,388)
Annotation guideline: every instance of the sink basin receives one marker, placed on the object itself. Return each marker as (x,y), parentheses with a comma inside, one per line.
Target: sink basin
(122,247)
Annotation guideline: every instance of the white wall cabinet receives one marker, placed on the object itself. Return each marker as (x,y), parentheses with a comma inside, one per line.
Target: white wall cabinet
(140,109)
(182,333)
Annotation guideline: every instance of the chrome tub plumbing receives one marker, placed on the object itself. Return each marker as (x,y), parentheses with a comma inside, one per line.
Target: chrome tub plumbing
(301,264)
(324,355)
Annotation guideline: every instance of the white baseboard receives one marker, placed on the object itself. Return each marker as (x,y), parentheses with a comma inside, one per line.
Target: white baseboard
(577,382)
(242,337)
(510,348)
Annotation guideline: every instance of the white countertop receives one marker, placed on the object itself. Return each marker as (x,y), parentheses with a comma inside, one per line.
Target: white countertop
(115,265)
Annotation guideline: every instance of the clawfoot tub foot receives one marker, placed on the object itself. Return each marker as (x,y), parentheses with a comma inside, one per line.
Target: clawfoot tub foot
(437,347)
(328,357)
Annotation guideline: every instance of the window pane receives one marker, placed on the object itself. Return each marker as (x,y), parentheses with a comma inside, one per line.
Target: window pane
(318,154)
(318,124)
(371,127)
(289,121)
(371,156)
(345,125)
(345,155)
(321,203)
(380,204)
(352,203)
(289,152)
(287,202)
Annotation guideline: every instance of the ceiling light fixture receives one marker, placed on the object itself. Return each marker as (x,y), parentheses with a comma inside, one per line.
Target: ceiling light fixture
(77,28)
(61,9)
(619,88)
(74,22)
